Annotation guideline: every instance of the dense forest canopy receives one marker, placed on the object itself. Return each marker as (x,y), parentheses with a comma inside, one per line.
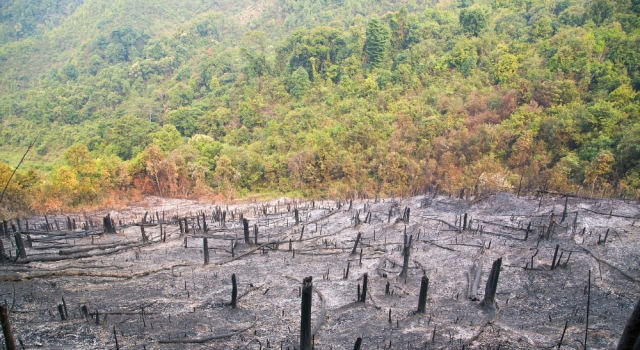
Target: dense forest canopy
(318,98)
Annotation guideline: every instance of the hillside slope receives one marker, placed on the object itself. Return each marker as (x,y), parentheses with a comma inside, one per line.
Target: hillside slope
(325,98)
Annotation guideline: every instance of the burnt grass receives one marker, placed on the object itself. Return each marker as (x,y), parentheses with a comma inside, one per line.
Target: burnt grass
(159,295)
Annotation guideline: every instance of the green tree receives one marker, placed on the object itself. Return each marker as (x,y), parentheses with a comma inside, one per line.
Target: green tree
(299,82)
(375,47)
(473,21)
(506,69)
(168,138)
(600,10)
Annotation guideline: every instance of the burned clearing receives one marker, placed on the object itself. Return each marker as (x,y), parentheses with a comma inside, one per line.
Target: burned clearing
(424,272)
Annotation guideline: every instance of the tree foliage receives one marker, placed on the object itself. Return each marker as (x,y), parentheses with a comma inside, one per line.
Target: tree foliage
(335,99)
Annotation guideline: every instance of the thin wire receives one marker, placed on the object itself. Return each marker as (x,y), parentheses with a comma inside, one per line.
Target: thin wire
(16,169)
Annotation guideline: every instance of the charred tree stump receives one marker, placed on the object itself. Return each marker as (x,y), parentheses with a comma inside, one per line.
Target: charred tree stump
(355,245)
(296,216)
(406,252)
(476,282)
(551,222)
(363,296)
(357,344)
(555,255)
(22,253)
(492,284)
(1,252)
(64,307)
(422,299)
(563,332)
(205,250)
(390,213)
(464,224)
(564,212)
(245,226)
(586,320)
(115,336)
(85,312)
(346,274)
(234,291)
(145,239)
(405,216)
(61,312)
(6,329)
(255,233)
(305,314)
(631,331)
(204,222)
(181,227)
(107,224)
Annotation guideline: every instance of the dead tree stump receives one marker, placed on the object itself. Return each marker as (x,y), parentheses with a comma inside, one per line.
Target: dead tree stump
(245,226)
(204,222)
(1,252)
(107,224)
(464,223)
(305,314)
(492,284)
(6,329)
(234,291)
(406,252)
(205,250)
(631,331)
(144,236)
(422,299)
(355,245)
(555,255)
(22,253)
(476,282)
(255,233)
(363,296)
(357,344)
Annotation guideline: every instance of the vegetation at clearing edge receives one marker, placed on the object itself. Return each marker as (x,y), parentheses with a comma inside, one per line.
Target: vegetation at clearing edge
(322,98)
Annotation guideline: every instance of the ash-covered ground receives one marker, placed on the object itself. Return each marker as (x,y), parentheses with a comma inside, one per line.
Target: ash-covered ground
(161,295)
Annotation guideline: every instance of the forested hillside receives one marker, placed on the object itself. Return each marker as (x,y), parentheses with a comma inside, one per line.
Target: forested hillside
(316,97)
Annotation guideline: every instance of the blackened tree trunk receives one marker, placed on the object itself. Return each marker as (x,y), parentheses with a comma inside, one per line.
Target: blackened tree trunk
(234,291)
(22,253)
(355,245)
(205,250)
(406,252)
(492,283)
(631,331)
(245,225)
(363,296)
(422,299)
(6,329)
(305,315)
